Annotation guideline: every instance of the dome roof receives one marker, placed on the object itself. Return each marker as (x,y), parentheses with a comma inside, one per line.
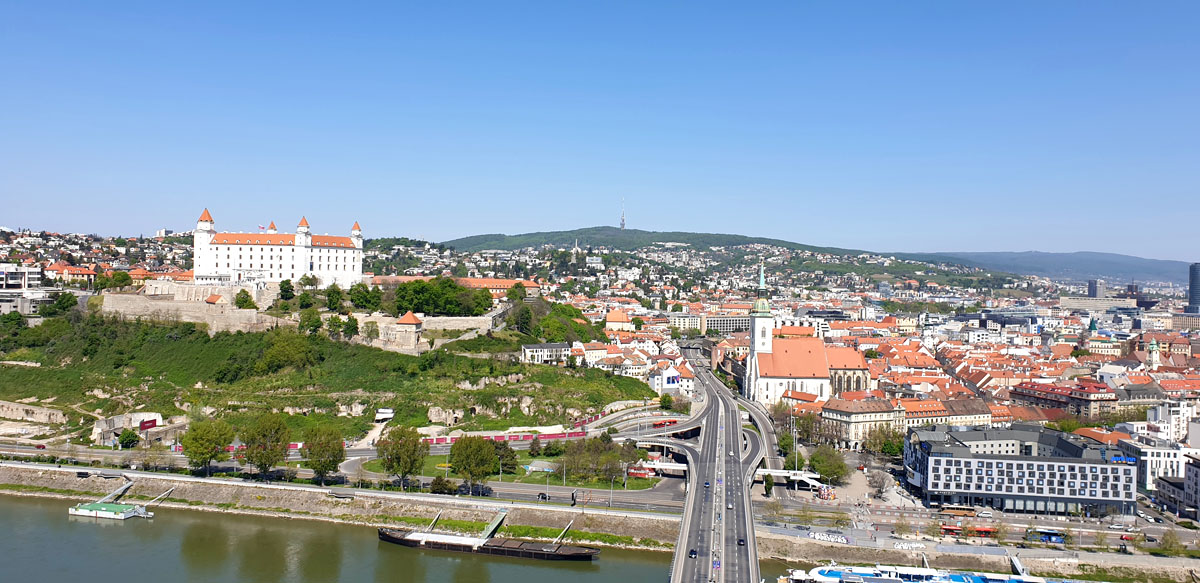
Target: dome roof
(761,307)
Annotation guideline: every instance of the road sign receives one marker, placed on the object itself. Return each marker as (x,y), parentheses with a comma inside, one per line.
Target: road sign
(716,563)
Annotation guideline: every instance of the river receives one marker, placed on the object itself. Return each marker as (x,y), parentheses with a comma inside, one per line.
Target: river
(43,543)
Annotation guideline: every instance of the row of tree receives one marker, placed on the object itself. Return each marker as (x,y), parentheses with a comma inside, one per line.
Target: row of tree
(265,439)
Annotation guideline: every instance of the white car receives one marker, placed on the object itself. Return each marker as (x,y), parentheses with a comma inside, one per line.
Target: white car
(1116,527)
(985,514)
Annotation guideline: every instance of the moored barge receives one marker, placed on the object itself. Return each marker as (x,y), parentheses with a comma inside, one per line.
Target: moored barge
(499,546)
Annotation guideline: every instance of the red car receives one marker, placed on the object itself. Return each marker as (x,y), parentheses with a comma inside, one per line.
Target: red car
(40,446)
(1126,537)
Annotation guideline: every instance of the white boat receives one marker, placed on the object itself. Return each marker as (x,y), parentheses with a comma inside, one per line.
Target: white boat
(834,573)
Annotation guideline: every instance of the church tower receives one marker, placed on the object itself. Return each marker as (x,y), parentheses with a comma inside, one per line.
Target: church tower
(1153,356)
(762,328)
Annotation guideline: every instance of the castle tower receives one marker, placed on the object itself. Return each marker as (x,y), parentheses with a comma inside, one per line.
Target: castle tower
(356,235)
(303,236)
(271,230)
(202,251)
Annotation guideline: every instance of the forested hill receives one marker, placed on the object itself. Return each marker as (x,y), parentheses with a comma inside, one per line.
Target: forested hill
(1080,265)
(625,240)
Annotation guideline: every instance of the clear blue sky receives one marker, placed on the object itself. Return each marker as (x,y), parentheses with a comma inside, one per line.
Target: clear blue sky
(1055,126)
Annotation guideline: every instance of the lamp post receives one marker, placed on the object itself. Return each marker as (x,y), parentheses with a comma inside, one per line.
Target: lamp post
(612,481)
(501,460)
(547,492)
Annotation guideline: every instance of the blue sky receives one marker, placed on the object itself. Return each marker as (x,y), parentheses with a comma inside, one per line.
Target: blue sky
(886,126)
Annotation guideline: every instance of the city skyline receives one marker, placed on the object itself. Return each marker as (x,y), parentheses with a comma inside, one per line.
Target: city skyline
(924,130)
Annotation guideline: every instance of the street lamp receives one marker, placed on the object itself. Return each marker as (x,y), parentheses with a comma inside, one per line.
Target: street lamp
(612,481)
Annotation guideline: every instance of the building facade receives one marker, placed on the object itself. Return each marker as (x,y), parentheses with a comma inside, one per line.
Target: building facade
(271,257)
(1025,468)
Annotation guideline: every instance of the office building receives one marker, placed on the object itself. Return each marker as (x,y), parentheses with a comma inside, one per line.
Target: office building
(1193,306)
(1026,468)
(1095,288)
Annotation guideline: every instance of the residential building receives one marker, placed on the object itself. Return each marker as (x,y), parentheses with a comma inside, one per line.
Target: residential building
(1156,458)
(850,422)
(546,353)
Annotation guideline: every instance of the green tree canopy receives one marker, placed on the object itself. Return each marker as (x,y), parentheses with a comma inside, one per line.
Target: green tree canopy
(266,439)
(402,452)
(350,328)
(334,297)
(121,279)
(324,449)
(286,290)
(243,301)
(205,441)
(473,458)
(128,439)
(830,463)
(305,300)
(310,320)
(516,293)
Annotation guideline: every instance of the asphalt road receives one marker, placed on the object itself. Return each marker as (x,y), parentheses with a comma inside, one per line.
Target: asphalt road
(717,522)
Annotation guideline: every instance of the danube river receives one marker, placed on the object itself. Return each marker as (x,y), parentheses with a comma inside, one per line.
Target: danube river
(42,543)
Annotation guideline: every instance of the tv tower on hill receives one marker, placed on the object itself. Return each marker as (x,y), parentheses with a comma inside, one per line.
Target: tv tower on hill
(622,213)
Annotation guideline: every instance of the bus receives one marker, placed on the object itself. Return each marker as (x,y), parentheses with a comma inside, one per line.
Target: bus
(952,511)
(665,423)
(1046,535)
(979,531)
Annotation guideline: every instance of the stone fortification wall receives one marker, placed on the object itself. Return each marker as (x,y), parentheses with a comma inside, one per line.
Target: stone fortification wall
(218,318)
(264,294)
(23,412)
(457,323)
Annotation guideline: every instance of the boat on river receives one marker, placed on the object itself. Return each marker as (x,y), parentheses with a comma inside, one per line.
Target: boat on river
(499,546)
(835,573)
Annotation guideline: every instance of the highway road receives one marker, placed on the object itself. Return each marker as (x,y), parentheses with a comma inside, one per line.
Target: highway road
(718,522)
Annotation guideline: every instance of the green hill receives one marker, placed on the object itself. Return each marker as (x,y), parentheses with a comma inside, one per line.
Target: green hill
(113,366)
(625,240)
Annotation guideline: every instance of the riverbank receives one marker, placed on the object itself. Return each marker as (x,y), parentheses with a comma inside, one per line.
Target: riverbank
(375,509)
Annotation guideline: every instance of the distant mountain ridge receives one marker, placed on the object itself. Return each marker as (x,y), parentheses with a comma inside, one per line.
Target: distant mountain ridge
(622,239)
(1112,267)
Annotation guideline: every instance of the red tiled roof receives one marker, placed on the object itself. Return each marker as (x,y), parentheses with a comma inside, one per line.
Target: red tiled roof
(253,239)
(409,318)
(204,216)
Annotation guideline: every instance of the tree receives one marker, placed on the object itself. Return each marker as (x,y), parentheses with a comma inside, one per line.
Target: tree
(286,290)
(638,323)
(333,297)
(371,331)
(665,401)
(1100,540)
(305,300)
(350,328)
(879,481)
(121,279)
(535,447)
(266,439)
(830,463)
(128,439)
(774,508)
(1169,543)
(768,485)
(871,353)
(334,327)
(360,296)
(1000,531)
(507,456)
(307,281)
(902,527)
(932,529)
(205,441)
(473,458)
(243,301)
(441,485)
(402,452)
(523,320)
(324,449)
(310,320)
(516,293)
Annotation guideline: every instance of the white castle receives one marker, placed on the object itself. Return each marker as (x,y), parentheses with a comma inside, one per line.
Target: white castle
(251,258)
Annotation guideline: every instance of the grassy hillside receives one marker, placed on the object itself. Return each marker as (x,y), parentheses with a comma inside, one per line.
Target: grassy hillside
(626,240)
(112,366)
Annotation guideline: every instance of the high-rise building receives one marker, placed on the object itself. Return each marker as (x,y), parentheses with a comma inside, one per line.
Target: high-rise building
(1095,288)
(1193,306)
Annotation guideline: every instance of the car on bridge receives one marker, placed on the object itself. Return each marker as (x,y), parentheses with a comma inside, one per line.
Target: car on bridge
(692,554)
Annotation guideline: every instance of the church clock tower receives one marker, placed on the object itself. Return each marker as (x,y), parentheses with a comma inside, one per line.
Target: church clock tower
(762,328)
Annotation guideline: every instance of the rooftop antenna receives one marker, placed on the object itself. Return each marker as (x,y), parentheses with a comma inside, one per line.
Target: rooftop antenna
(622,213)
